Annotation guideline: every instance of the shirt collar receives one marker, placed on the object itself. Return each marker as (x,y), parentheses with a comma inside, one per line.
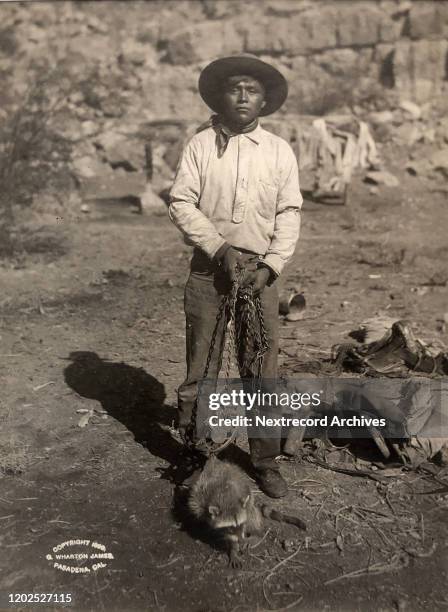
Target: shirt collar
(224,135)
(254,135)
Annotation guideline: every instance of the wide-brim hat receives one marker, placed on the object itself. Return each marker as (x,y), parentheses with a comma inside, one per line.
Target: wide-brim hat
(213,76)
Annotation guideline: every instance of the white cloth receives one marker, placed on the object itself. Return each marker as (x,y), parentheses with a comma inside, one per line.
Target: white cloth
(248,196)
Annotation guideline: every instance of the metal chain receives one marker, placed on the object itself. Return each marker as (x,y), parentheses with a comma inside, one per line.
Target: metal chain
(232,346)
(263,337)
(238,311)
(254,332)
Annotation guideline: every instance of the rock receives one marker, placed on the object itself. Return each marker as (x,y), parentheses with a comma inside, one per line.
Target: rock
(148,33)
(272,36)
(88,167)
(121,152)
(320,29)
(221,9)
(425,20)
(176,92)
(151,202)
(358,27)
(339,62)
(160,154)
(429,135)
(390,28)
(415,135)
(35,33)
(419,168)
(442,129)
(137,53)
(77,97)
(412,109)
(409,134)
(89,128)
(286,8)
(88,46)
(416,132)
(401,133)
(419,68)
(300,34)
(114,186)
(187,12)
(44,15)
(65,124)
(205,41)
(403,8)
(381,177)
(380,117)
(172,155)
(97,25)
(439,161)
(112,107)
(152,71)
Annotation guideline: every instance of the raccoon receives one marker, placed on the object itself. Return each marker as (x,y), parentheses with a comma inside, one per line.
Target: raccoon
(221,498)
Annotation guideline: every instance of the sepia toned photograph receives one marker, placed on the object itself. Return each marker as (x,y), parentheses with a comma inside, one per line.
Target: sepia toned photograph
(224,305)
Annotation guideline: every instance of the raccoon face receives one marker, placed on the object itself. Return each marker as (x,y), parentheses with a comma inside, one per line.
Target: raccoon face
(230,518)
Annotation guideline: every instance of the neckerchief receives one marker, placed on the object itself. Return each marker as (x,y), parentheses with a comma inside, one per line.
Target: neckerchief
(224,133)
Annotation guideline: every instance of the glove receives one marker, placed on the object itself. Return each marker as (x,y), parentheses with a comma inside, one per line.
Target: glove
(229,259)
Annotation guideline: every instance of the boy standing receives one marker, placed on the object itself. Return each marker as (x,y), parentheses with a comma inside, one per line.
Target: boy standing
(236,198)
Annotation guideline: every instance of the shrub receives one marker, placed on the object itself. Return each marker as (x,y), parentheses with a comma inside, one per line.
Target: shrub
(32,155)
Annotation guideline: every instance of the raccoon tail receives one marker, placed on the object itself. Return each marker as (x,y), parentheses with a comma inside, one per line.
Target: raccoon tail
(275,515)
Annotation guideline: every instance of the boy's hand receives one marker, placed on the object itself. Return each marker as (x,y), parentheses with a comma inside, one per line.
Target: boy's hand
(258,279)
(262,276)
(229,259)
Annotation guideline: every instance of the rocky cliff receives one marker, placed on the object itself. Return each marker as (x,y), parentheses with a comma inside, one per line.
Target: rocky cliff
(136,63)
(148,54)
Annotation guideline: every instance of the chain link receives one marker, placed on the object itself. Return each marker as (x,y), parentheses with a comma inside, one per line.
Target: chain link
(244,336)
(253,327)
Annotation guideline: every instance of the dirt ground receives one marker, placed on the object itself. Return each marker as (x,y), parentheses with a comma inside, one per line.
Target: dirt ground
(98,332)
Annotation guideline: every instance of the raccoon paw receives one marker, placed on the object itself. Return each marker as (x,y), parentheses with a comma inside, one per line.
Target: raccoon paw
(235,561)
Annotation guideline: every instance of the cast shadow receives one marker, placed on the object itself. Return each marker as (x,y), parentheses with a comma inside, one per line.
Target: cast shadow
(130,395)
(136,399)
(195,529)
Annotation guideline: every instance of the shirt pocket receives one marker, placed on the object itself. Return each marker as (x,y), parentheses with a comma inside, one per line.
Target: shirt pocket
(267,199)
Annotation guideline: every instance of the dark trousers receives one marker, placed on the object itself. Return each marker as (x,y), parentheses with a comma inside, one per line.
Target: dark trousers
(204,290)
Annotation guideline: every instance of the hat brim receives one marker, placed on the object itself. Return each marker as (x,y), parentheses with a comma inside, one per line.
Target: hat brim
(214,75)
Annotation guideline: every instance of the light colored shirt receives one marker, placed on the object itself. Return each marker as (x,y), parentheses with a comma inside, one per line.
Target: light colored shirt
(248,195)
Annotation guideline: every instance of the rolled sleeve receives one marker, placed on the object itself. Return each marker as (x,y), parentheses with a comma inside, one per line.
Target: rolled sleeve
(183,210)
(287,219)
